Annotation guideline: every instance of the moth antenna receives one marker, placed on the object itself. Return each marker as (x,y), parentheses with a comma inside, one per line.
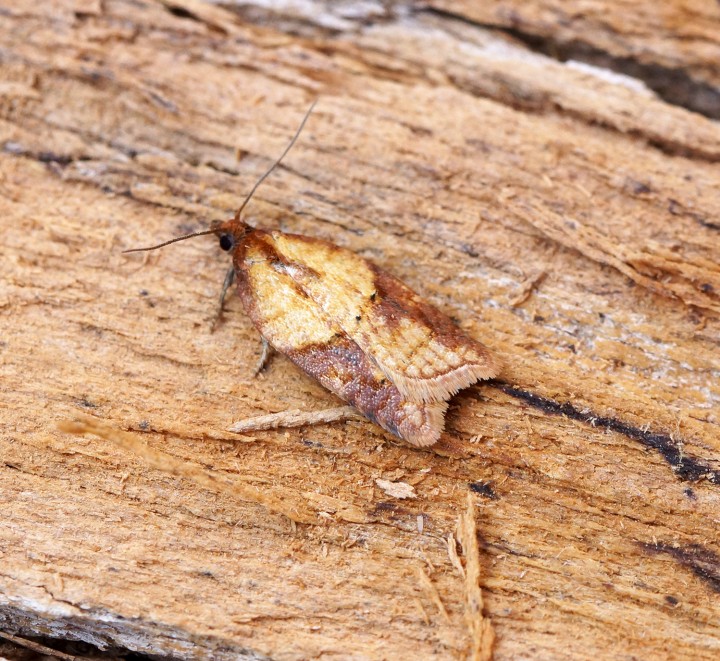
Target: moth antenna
(175,240)
(277,162)
(247,199)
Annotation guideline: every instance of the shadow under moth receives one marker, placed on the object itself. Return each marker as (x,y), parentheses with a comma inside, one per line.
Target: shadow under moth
(356,329)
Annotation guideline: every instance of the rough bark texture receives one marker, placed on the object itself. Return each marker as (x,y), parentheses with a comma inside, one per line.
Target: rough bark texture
(566,216)
(674,46)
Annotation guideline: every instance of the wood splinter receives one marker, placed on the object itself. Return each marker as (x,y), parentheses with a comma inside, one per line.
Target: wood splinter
(295,418)
(480,628)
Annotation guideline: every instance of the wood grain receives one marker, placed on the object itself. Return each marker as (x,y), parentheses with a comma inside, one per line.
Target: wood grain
(565,217)
(673,46)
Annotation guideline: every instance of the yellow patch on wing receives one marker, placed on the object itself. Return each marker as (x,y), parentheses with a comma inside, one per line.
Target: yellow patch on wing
(418,348)
(290,319)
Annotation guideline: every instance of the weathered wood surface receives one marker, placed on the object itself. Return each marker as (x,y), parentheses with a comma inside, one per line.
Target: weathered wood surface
(567,218)
(674,46)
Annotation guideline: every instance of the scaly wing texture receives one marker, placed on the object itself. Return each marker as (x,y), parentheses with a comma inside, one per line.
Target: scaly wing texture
(417,347)
(294,324)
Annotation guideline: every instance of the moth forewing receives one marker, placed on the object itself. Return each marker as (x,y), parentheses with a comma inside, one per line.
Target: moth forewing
(360,332)
(293,322)
(421,350)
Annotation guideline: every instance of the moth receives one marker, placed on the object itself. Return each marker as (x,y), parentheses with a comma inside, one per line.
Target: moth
(360,332)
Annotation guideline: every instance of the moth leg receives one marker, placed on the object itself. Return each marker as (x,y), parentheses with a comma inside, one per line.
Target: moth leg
(264,356)
(227,283)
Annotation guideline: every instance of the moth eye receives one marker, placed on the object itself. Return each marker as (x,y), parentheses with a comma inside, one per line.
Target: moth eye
(226,242)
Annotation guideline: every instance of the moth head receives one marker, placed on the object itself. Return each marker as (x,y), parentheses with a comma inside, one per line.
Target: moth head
(230,232)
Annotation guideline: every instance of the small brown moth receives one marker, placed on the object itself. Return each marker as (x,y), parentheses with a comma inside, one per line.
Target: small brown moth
(359,331)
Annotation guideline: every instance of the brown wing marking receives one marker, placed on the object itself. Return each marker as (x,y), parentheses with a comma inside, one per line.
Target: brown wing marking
(294,324)
(344,369)
(417,347)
